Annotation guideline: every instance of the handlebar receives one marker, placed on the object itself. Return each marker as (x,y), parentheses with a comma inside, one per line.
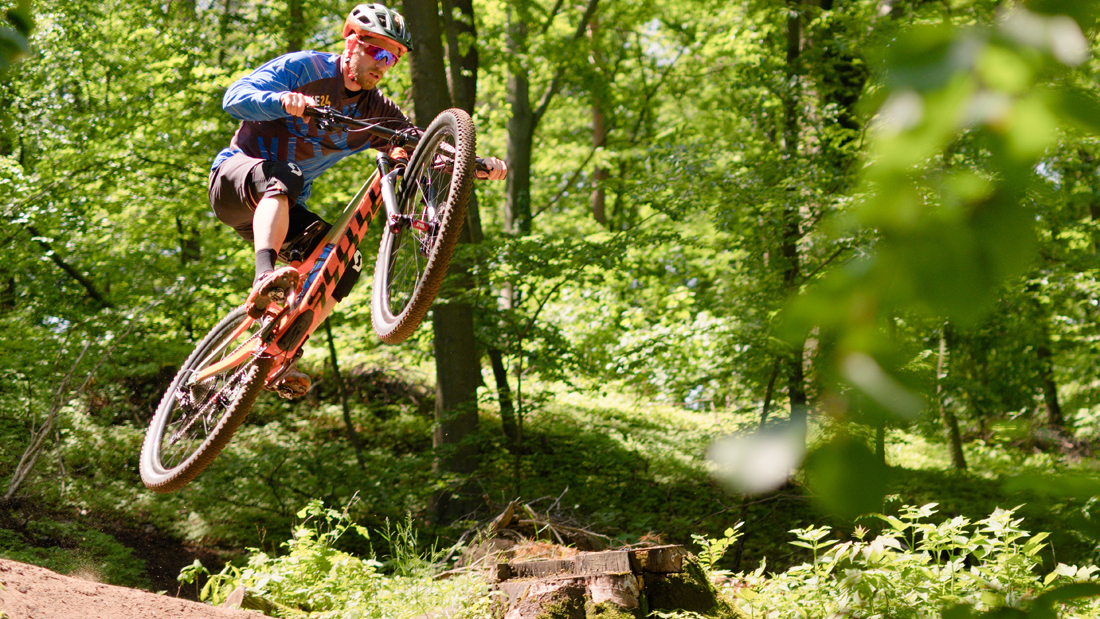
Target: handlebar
(328,118)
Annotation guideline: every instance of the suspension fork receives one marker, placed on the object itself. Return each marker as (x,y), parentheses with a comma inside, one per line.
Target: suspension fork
(390,173)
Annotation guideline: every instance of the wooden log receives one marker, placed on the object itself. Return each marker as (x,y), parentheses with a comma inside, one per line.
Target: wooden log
(620,589)
(505,518)
(500,572)
(562,598)
(608,562)
(659,560)
(656,560)
(541,569)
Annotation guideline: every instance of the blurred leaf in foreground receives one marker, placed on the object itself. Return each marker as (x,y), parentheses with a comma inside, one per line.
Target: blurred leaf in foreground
(757,462)
(846,477)
(13,40)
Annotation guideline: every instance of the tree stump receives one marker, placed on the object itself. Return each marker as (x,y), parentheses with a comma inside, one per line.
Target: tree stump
(614,584)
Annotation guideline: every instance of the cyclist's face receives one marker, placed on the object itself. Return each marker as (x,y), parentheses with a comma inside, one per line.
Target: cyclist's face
(367,69)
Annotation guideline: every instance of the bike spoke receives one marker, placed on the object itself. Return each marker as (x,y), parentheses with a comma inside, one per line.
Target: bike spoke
(426,207)
(199,407)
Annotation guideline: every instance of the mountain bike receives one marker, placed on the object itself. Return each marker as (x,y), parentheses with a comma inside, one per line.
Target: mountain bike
(424,194)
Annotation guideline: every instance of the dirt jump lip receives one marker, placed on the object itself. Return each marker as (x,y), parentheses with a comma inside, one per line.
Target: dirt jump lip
(32,592)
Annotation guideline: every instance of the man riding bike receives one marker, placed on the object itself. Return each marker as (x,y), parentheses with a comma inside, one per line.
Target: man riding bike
(259,185)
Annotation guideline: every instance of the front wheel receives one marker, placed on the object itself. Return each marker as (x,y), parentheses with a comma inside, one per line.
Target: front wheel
(195,420)
(417,245)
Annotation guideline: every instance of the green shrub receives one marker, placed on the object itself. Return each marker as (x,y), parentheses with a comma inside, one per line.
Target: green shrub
(919,570)
(314,577)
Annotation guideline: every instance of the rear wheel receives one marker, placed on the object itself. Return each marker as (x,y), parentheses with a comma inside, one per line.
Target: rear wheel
(195,420)
(417,245)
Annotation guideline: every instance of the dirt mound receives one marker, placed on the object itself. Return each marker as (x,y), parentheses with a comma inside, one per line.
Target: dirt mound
(31,592)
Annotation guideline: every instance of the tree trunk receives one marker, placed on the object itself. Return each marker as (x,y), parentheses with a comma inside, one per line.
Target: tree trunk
(504,395)
(769,391)
(598,199)
(295,27)
(457,364)
(792,232)
(950,422)
(521,131)
(525,119)
(462,54)
(223,31)
(456,387)
(190,242)
(600,173)
(1050,389)
(426,67)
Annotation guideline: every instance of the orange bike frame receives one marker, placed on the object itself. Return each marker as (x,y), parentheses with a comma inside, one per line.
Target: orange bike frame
(320,272)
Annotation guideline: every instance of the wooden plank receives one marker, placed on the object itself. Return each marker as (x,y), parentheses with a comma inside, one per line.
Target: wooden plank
(655,560)
(607,562)
(541,569)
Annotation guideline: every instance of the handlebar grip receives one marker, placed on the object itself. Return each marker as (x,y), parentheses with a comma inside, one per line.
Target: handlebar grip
(479,166)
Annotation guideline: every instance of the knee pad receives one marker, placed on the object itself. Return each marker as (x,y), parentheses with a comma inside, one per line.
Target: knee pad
(273,178)
(351,275)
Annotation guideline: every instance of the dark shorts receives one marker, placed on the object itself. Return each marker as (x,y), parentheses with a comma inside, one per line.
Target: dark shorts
(241,181)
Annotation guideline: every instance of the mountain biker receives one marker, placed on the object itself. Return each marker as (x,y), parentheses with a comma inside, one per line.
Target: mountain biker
(259,185)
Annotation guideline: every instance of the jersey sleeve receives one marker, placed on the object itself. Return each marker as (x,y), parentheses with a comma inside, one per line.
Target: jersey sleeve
(256,95)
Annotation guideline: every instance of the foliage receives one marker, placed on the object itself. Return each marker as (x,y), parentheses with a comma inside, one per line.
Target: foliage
(714,548)
(945,187)
(957,204)
(917,569)
(13,40)
(314,577)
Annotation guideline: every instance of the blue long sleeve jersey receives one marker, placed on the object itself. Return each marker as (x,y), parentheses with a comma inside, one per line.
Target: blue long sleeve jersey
(268,132)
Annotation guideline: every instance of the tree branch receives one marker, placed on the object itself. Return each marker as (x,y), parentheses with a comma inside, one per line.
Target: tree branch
(60,399)
(550,17)
(572,179)
(88,285)
(825,263)
(555,82)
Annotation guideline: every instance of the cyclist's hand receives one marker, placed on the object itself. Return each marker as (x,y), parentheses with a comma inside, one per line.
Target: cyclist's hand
(497,169)
(295,103)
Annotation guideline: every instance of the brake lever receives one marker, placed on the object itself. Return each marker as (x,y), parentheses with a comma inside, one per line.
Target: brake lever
(328,124)
(325,121)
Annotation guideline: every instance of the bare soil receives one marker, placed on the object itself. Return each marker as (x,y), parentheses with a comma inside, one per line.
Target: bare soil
(31,592)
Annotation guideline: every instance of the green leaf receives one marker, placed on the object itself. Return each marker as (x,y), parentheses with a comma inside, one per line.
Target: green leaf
(923,58)
(1079,108)
(1085,14)
(846,478)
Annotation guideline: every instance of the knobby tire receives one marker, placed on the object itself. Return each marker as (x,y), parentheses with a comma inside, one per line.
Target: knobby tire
(229,404)
(406,279)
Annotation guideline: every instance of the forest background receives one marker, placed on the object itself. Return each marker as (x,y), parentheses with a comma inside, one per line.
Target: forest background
(862,230)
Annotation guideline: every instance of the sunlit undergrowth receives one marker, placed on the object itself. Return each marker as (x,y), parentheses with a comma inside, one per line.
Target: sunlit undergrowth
(309,576)
(919,565)
(618,465)
(919,569)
